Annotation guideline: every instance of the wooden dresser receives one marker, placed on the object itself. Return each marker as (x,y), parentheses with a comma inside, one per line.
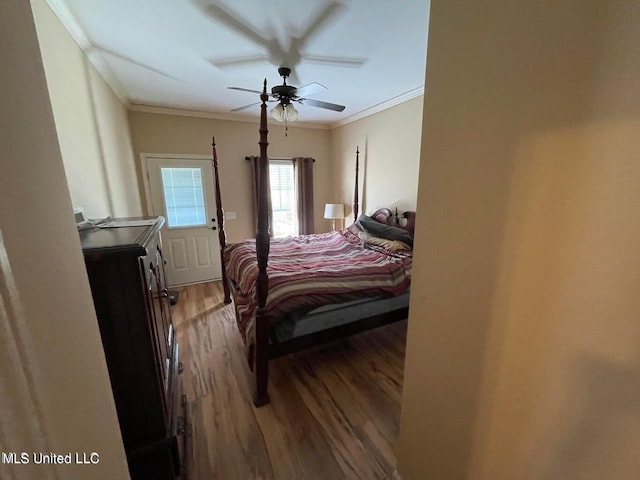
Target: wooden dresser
(126,273)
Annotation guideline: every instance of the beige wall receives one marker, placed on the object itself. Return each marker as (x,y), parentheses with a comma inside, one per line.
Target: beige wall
(389,144)
(55,394)
(91,124)
(172,134)
(523,356)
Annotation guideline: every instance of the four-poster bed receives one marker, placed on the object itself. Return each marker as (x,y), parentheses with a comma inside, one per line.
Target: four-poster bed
(298,292)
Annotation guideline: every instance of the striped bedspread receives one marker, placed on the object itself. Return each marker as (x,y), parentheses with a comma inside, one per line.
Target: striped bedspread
(313,270)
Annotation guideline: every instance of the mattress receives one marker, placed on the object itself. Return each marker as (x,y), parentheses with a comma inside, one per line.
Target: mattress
(329,316)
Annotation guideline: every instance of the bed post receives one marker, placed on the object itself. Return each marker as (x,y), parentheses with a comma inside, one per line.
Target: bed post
(222,236)
(355,193)
(261,353)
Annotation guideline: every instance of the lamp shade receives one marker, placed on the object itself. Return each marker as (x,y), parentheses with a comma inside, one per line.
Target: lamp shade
(290,113)
(284,113)
(277,112)
(334,211)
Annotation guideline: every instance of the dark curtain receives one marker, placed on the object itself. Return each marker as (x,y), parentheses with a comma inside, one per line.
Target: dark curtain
(304,185)
(255,178)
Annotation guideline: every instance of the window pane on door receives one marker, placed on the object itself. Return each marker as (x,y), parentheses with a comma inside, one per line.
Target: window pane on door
(283,198)
(183,197)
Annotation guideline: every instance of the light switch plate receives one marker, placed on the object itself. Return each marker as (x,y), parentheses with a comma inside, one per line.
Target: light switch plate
(230,215)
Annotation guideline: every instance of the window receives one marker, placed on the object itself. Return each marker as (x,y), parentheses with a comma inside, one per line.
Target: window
(283,198)
(184,196)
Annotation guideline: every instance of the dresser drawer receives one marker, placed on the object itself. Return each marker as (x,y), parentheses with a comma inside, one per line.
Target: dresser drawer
(180,425)
(183,432)
(159,316)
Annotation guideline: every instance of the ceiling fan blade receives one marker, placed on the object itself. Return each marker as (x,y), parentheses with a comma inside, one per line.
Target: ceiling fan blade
(240,109)
(309,89)
(245,107)
(338,61)
(244,89)
(293,77)
(230,62)
(330,10)
(317,103)
(232,20)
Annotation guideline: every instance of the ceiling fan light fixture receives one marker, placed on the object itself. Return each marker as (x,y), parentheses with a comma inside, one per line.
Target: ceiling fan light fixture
(284,113)
(290,113)
(277,112)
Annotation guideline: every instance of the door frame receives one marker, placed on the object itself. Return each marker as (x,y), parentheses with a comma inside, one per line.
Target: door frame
(146,159)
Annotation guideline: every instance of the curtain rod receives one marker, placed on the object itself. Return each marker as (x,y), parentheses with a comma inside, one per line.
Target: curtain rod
(249,158)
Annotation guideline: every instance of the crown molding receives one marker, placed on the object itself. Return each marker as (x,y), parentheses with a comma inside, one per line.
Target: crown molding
(70,23)
(68,20)
(405,97)
(215,116)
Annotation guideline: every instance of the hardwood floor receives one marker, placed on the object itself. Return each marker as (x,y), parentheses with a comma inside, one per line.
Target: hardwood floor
(334,411)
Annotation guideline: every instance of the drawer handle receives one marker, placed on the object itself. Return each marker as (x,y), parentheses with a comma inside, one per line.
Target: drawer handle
(183,399)
(180,368)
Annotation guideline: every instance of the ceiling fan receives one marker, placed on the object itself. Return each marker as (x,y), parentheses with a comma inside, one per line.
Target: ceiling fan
(285,94)
(289,52)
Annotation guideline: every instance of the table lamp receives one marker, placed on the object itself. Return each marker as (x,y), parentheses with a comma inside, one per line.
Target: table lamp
(333,211)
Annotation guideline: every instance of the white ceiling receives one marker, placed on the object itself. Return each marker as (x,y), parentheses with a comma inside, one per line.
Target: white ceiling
(161,53)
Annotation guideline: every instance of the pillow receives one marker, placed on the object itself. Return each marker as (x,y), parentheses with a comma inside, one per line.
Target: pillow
(391,245)
(381,230)
(353,228)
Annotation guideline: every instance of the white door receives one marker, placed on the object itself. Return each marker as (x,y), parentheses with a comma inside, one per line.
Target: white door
(182,191)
